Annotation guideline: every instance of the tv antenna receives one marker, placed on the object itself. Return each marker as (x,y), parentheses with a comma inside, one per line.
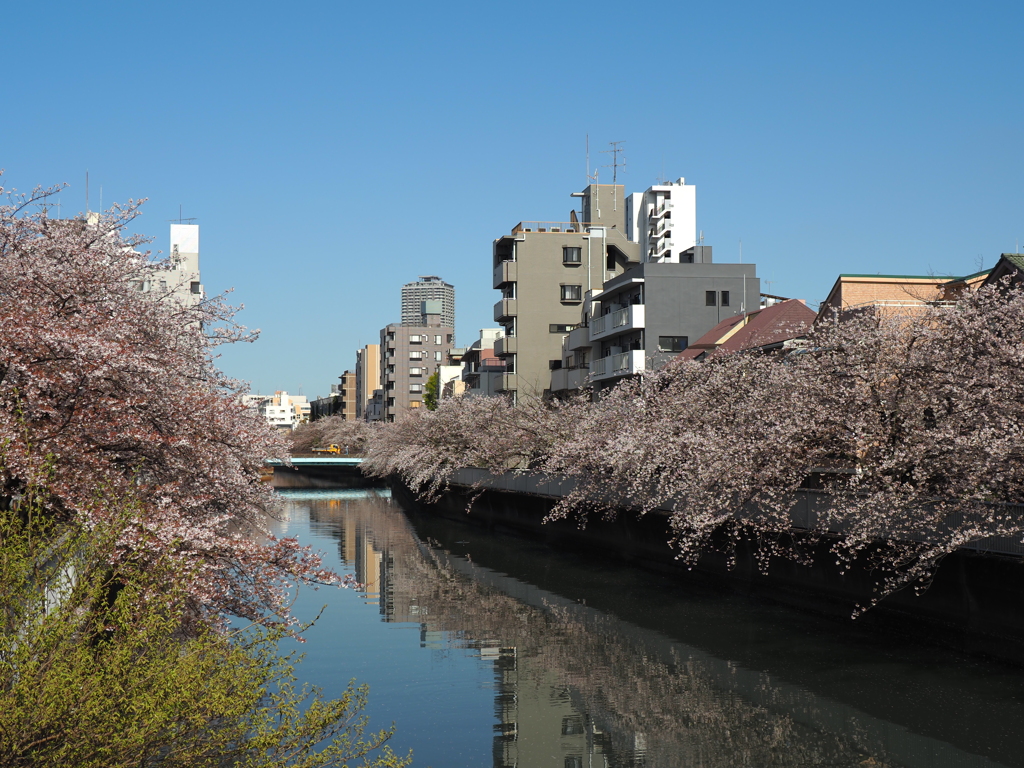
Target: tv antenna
(614,165)
(615,151)
(180,220)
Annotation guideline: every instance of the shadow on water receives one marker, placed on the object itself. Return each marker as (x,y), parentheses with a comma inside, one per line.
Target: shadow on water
(598,664)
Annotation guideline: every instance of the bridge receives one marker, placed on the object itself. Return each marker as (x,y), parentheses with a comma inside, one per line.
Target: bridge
(320,472)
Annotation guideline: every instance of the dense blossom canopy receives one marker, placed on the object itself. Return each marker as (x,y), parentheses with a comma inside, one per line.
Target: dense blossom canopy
(107,392)
(906,429)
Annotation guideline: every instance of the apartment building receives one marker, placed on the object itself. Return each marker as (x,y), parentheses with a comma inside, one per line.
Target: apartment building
(663,221)
(281,410)
(482,370)
(409,355)
(544,269)
(367,379)
(428,288)
(341,402)
(641,319)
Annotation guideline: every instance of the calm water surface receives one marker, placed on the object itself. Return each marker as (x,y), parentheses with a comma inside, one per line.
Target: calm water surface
(486,650)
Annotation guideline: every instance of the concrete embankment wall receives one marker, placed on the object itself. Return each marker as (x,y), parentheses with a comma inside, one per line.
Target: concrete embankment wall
(975,603)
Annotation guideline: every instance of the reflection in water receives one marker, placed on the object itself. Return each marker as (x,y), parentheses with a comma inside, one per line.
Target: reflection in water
(575,686)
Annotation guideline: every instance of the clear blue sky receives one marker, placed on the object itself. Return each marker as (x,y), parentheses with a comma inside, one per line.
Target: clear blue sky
(333,151)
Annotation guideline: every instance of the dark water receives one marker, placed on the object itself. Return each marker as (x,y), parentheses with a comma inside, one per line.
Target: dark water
(495,651)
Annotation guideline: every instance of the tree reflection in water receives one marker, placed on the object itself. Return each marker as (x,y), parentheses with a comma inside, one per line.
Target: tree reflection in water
(583,688)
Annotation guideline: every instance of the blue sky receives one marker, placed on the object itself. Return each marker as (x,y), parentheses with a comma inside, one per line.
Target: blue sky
(333,151)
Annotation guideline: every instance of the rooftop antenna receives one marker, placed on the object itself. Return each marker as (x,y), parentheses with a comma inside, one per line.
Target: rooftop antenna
(180,220)
(614,165)
(588,157)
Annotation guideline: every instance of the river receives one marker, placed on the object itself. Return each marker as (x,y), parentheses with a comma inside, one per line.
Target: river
(489,650)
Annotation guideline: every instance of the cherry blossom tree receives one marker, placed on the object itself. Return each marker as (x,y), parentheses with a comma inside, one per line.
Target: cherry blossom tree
(350,435)
(426,449)
(109,392)
(907,425)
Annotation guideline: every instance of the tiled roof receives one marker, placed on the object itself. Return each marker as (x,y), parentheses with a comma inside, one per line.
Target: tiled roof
(772,325)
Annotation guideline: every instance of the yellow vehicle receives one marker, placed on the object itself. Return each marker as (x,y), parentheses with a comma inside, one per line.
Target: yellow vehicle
(332,448)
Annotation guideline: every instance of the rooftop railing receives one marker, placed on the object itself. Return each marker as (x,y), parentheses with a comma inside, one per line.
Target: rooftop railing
(555,227)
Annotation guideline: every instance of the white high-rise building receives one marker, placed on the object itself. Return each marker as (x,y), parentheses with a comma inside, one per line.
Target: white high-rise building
(663,220)
(183,276)
(428,287)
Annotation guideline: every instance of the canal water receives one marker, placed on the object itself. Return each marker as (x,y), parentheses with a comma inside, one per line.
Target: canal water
(488,650)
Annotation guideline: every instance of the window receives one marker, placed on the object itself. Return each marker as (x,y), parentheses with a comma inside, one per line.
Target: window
(416,339)
(709,298)
(672,343)
(451,337)
(572,293)
(554,365)
(572,255)
(163,285)
(195,286)
(390,386)
(391,369)
(559,328)
(415,389)
(572,726)
(725,298)
(437,356)
(414,404)
(415,371)
(437,340)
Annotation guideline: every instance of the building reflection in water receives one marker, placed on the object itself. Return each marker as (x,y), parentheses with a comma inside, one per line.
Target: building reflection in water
(576,687)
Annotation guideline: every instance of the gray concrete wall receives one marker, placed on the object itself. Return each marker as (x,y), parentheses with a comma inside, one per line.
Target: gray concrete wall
(676,299)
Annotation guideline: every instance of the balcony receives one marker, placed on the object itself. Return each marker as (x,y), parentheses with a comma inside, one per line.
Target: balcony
(621,364)
(578,338)
(661,210)
(505,272)
(504,309)
(508,382)
(506,345)
(621,321)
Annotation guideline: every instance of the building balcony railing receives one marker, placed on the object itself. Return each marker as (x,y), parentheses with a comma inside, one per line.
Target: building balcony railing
(659,248)
(619,364)
(504,309)
(505,272)
(555,227)
(631,318)
(662,209)
(506,345)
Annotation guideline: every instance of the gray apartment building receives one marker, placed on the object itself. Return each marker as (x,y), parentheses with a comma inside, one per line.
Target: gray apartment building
(428,288)
(649,314)
(409,355)
(544,270)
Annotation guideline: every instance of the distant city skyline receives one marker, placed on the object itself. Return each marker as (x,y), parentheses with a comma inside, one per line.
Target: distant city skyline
(828,139)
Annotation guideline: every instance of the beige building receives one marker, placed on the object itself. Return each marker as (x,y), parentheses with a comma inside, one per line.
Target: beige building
(367,379)
(544,269)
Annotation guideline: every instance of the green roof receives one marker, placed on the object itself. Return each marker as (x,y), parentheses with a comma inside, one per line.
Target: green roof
(909,277)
